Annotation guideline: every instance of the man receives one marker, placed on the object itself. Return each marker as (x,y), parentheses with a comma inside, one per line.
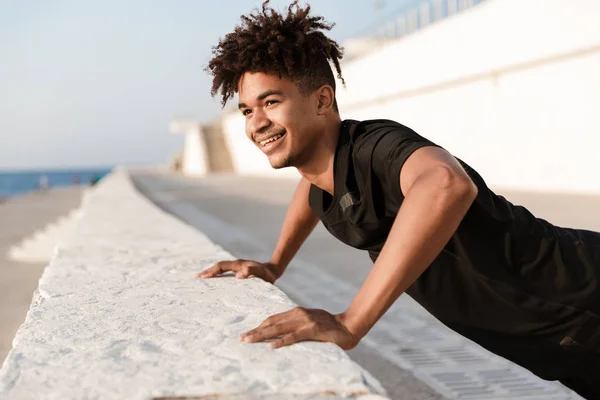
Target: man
(491,271)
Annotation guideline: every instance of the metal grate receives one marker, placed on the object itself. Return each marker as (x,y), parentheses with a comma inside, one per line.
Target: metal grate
(419,357)
(494,383)
(462,355)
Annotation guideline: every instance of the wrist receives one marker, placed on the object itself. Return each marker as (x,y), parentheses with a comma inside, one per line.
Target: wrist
(352,324)
(276,267)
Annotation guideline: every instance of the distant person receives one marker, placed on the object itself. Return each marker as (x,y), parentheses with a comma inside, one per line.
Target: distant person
(43,183)
(76,180)
(94,181)
(519,286)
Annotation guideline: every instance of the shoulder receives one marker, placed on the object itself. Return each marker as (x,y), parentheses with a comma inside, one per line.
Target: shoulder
(382,136)
(368,129)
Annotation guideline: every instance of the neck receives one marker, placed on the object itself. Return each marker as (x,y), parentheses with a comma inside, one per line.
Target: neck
(318,167)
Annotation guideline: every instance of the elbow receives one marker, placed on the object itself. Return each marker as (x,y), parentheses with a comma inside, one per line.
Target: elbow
(457,185)
(468,190)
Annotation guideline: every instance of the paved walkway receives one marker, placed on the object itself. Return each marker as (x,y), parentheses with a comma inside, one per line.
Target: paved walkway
(21,217)
(244,215)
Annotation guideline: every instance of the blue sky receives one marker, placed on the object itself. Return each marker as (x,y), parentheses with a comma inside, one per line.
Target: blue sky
(95,83)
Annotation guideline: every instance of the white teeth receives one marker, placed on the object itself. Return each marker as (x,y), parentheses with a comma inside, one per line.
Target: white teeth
(265,142)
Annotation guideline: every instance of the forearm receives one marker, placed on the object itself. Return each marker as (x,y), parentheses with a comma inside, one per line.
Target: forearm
(299,222)
(430,214)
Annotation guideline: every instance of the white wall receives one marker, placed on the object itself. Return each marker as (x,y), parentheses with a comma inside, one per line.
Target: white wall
(194,158)
(512,87)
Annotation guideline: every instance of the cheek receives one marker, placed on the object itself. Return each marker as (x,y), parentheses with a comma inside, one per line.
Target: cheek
(282,117)
(295,120)
(304,128)
(291,121)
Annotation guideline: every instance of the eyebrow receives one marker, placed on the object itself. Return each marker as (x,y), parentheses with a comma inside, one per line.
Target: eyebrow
(263,96)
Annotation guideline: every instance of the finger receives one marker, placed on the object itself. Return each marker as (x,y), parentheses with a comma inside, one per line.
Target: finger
(271,332)
(210,272)
(252,332)
(219,268)
(293,337)
(272,320)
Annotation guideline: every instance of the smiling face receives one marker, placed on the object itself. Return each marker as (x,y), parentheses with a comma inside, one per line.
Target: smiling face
(281,120)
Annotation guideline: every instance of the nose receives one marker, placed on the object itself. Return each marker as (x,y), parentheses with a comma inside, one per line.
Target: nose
(258,123)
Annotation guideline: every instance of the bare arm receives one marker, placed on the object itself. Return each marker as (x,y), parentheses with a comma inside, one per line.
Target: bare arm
(299,222)
(438,194)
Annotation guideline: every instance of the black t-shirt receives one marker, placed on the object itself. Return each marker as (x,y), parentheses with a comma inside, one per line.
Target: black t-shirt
(516,284)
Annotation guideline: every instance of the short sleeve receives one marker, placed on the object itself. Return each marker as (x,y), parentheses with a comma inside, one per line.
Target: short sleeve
(392,146)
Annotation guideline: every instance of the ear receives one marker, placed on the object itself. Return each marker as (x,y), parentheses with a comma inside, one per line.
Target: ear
(326,98)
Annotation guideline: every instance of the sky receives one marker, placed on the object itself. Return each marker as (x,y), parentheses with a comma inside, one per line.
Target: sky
(95,83)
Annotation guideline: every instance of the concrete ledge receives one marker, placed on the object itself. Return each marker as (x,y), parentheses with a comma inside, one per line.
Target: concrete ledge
(119,314)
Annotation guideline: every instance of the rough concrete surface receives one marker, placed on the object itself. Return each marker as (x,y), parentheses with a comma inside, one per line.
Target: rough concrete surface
(119,314)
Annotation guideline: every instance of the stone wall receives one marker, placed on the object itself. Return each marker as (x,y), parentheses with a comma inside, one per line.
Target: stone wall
(119,314)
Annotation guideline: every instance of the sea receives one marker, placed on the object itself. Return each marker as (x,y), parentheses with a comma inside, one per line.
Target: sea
(15,183)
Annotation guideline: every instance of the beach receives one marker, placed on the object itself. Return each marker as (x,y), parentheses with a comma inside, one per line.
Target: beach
(22,217)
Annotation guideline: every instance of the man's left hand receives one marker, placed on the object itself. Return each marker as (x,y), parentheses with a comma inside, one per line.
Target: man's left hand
(301,324)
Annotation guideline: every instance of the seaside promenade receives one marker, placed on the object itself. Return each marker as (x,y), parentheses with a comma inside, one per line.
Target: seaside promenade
(98,291)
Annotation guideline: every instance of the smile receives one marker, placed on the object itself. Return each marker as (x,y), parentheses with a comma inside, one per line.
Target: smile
(271,139)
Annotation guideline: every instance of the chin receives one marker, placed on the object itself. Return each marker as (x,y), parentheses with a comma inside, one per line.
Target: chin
(281,162)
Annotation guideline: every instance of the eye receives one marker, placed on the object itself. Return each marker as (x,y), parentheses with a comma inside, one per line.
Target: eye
(271,102)
(246,112)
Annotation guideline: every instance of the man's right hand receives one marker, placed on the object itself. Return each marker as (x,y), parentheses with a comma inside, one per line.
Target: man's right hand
(243,269)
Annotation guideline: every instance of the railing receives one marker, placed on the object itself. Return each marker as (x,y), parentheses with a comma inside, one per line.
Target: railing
(418,16)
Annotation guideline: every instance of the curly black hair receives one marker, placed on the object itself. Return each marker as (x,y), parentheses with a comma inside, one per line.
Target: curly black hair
(291,46)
